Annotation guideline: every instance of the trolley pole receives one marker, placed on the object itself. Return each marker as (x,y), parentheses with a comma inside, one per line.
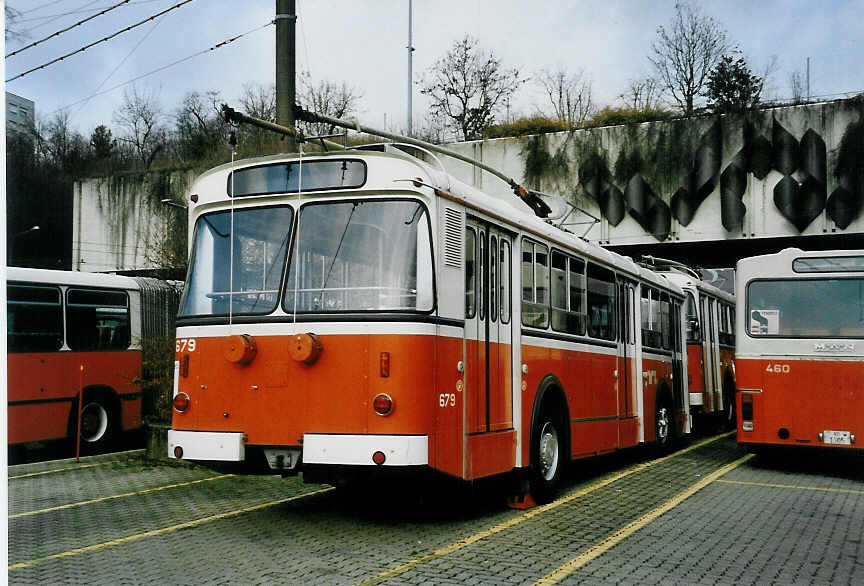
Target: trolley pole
(286,29)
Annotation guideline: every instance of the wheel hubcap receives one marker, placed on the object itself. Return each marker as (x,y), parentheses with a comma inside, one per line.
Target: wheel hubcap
(94,422)
(548,451)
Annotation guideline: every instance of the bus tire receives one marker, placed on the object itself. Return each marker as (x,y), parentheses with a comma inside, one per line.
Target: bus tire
(99,422)
(548,454)
(730,415)
(664,422)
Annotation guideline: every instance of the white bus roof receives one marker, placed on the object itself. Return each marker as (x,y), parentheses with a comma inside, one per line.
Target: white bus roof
(781,264)
(72,278)
(382,167)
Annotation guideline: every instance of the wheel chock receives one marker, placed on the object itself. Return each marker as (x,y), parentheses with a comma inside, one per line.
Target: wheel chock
(521,501)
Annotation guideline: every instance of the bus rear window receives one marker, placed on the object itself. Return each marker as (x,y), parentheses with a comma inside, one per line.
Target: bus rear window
(361,256)
(34,321)
(806,308)
(829,264)
(246,269)
(291,178)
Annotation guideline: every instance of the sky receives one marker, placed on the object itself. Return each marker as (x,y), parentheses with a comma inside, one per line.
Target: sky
(363,43)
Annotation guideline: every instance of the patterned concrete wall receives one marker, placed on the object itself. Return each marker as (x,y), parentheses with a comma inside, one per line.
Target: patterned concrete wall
(119,223)
(791,171)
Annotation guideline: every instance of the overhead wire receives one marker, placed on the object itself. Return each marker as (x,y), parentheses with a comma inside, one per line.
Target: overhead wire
(41,6)
(50,20)
(71,12)
(119,65)
(164,67)
(108,38)
(67,29)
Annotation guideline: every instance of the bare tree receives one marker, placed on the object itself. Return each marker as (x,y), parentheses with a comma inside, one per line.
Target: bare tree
(328,98)
(140,120)
(198,126)
(686,52)
(61,147)
(259,101)
(797,84)
(468,87)
(569,94)
(642,94)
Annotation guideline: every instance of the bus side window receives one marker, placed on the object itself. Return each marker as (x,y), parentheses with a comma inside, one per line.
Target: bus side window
(34,320)
(665,322)
(692,319)
(568,276)
(504,275)
(470,273)
(535,284)
(97,319)
(601,302)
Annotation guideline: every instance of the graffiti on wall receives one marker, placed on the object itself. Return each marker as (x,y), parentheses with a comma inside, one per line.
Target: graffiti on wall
(664,171)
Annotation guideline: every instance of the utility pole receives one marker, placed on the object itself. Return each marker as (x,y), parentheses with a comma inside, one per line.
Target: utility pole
(286,29)
(410,71)
(808,79)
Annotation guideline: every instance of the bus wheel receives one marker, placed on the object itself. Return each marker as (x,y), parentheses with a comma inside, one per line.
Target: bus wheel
(663,425)
(547,458)
(730,417)
(97,424)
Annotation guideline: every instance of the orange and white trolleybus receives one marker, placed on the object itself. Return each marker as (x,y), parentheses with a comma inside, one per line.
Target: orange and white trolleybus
(362,311)
(800,349)
(710,335)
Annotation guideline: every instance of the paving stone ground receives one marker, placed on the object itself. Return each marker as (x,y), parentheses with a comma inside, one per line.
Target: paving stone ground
(728,533)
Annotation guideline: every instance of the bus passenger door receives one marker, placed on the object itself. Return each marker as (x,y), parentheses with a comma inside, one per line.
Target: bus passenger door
(626,372)
(679,384)
(490,443)
(710,351)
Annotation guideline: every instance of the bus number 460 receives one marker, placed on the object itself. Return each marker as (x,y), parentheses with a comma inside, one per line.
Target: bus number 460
(777,368)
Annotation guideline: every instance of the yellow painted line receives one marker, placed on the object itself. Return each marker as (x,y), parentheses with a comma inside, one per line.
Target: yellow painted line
(465,542)
(56,470)
(163,531)
(795,486)
(77,466)
(605,545)
(118,496)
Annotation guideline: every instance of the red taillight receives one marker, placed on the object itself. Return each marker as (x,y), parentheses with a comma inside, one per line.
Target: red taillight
(181,402)
(382,404)
(379,457)
(385,364)
(178,452)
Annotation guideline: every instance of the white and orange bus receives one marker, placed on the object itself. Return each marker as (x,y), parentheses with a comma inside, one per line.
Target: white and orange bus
(710,330)
(360,311)
(69,332)
(800,349)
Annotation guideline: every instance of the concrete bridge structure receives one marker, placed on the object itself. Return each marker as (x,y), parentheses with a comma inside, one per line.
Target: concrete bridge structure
(704,190)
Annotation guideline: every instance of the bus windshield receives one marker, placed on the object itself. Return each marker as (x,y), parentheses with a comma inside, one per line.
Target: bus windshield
(251,278)
(361,256)
(806,308)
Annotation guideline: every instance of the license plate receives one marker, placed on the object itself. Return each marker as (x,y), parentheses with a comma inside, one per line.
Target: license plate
(836,437)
